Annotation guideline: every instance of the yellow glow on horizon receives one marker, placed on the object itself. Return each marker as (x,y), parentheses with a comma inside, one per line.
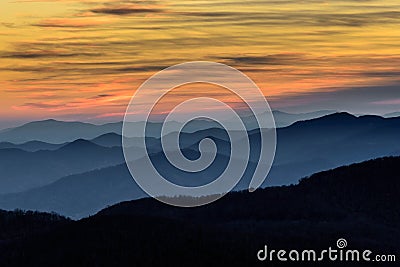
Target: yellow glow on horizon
(86,58)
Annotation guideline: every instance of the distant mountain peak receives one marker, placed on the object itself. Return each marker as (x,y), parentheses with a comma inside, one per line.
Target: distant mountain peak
(49,120)
(108,135)
(341,115)
(338,117)
(318,112)
(43,121)
(79,144)
(374,117)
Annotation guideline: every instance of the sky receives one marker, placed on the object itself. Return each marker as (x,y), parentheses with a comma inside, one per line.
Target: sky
(83,60)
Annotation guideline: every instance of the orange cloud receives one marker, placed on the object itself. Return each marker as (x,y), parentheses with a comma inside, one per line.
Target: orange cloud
(74,22)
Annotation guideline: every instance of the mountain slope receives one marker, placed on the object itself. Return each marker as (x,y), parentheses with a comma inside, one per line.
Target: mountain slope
(335,140)
(303,149)
(284,119)
(85,194)
(369,189)
(78,195)
(359,203)
(31,146)
(21,170)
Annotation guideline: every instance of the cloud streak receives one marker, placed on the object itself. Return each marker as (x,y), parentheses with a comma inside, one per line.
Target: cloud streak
(125,10)
(369,99)
(94,54)
(72,22)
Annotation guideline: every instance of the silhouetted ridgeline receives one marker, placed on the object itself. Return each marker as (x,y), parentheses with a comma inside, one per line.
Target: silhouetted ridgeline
(18,223)
(359,203)
(82,177)
(53,131)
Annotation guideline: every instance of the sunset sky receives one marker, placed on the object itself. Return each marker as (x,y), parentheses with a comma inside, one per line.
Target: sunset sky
(83,60)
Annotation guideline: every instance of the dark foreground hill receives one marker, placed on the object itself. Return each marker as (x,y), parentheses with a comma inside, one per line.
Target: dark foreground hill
(359,203)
